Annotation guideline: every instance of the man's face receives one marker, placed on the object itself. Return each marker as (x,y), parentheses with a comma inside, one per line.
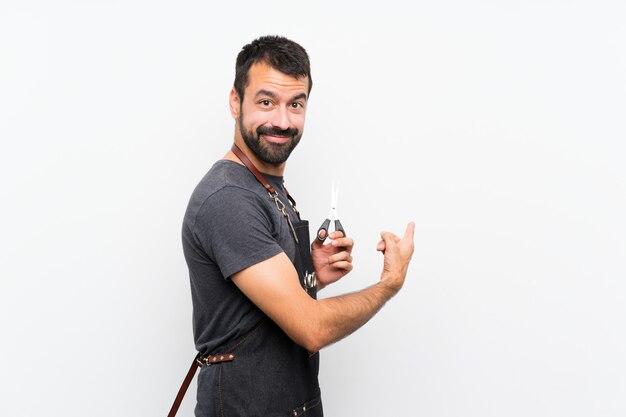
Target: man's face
(271,116)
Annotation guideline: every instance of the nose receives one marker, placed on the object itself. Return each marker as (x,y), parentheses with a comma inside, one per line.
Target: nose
(280,118)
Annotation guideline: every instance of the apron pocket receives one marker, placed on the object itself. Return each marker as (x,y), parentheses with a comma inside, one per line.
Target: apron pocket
(311,408)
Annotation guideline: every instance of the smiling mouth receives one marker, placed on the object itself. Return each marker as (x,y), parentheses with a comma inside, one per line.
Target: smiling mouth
(276,139)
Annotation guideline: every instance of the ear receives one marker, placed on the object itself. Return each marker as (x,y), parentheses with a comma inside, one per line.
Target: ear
(235,104)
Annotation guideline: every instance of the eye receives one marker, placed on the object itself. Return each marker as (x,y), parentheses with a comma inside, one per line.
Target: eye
(297,105)
(265,102)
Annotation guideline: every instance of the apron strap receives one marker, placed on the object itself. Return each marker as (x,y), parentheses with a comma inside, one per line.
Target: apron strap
(198,362)
(269,188)
(248,163)
(184,386)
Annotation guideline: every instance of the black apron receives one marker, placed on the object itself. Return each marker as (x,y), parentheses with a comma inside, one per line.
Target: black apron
(271,376)
(263,373)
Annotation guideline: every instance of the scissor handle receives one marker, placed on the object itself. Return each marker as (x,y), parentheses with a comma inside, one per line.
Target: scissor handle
(339,228)
(323,227)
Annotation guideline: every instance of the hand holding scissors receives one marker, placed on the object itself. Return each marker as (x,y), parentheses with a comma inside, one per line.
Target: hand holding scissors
(323,231)
(331,261)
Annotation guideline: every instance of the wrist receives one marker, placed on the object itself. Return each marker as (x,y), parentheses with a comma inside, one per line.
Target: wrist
(391,283)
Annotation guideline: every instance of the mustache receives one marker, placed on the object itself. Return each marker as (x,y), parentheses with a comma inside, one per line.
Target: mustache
(275,131)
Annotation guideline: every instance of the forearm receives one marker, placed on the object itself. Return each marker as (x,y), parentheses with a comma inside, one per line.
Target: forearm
(337,317)
(273,286)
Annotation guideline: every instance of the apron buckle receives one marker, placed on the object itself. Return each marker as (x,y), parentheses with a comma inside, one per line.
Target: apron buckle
(211,359)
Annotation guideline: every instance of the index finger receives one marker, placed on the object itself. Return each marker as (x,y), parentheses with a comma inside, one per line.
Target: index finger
(410,231)
(345,242)
(337,234)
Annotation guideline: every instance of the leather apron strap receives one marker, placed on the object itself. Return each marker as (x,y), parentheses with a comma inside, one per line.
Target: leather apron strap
(184,386)
(248,163)
(198,362)
(270,189)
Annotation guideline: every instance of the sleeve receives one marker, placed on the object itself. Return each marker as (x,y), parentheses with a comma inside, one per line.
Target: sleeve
(235,231)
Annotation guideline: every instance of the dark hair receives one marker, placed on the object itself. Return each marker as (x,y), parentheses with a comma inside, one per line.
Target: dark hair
(279,52)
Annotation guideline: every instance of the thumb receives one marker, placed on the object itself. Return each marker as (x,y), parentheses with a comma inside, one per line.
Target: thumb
(317,243)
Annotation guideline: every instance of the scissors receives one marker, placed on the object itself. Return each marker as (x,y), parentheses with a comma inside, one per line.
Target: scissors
(332,216)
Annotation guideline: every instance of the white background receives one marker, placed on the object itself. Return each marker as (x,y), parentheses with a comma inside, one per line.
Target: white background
(498,127)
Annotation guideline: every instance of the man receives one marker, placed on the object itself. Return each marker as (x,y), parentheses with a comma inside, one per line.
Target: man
(254,274)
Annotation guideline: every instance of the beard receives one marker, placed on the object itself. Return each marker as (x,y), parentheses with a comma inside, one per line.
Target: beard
(268,152)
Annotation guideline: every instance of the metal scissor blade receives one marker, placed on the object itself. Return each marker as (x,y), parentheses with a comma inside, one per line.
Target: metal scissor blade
(334,197)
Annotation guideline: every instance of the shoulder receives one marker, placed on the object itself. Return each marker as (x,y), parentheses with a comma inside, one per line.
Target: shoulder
(228,190)
(224,174)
